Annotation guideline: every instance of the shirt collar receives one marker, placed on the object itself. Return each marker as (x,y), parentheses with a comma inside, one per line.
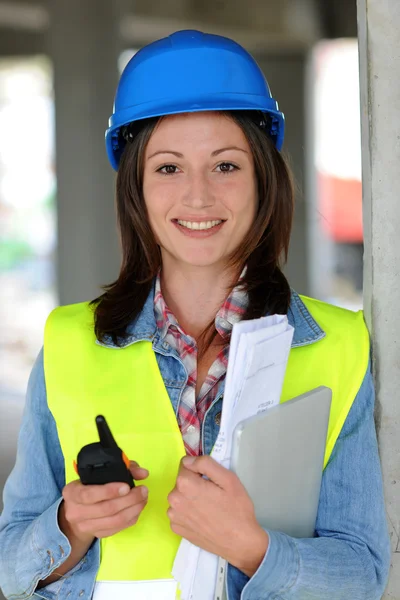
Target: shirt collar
(230,312)
(306,329)
(162,314)
(144,327)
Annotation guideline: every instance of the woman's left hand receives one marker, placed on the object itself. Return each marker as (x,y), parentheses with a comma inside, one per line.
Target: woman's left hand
(216,514)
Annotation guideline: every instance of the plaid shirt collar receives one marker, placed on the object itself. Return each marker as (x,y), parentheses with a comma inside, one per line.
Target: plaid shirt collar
(306,329)
(230,312)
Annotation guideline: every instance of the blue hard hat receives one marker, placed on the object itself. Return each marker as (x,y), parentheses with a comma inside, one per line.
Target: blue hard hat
(190,71)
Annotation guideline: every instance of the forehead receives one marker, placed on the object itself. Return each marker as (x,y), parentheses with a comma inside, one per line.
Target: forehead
(200,127)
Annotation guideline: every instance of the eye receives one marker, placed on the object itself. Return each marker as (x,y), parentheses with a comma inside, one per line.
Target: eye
(227,167)
(167,170)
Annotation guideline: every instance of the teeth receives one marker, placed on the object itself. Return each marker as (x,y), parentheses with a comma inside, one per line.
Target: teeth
(196,225)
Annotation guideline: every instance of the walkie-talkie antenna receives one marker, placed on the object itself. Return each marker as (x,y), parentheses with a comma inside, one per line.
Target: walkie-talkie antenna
(105,435)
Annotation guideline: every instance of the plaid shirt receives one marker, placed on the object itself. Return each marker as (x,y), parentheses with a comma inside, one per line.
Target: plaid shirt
(191,410)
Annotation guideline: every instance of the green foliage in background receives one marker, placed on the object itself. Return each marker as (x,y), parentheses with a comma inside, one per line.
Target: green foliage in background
(13,252)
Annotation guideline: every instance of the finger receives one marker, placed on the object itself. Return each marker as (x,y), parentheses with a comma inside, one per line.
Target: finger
(205,465)
(189,484)
(92,494)
(138,473)
(182,531)
(177,518)
(125,518)
(192,536)
(106,533)
(76,513)
(109,532)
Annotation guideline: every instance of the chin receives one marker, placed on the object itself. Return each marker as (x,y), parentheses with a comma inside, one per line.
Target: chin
(201,263)
(197,260)
(194,257)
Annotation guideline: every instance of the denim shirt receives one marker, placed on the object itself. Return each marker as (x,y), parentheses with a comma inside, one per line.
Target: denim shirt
(348,559)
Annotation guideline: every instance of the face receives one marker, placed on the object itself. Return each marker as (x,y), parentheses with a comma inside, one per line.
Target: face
(200,188)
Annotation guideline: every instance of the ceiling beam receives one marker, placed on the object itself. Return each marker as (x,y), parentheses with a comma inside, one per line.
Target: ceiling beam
(138,30)
(24,16)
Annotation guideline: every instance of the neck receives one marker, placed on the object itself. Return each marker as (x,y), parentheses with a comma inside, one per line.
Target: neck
(195,294)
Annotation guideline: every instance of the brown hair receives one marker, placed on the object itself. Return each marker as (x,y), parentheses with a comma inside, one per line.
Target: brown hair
(263,249)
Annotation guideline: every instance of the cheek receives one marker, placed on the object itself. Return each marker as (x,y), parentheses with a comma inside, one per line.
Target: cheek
(154,207)
(252,203)
(157,201)
(246,208)
(241,198)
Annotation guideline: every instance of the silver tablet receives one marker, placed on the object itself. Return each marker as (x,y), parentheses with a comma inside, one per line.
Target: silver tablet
(278,455)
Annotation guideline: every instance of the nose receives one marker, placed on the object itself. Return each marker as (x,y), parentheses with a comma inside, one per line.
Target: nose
(198,193)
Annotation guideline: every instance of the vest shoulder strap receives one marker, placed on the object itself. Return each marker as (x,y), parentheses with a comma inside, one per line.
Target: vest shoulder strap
(72,319)
(339,361)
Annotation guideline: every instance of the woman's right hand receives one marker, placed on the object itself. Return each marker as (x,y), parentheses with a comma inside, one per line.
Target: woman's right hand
(99,511)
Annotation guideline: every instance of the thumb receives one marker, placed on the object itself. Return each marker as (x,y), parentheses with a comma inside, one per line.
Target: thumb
(205,465)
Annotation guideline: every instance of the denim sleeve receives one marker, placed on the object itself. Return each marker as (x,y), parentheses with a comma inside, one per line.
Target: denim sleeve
(32,545)
(350,556)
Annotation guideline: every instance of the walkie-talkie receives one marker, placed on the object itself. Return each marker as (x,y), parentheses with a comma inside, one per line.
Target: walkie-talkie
(103,461)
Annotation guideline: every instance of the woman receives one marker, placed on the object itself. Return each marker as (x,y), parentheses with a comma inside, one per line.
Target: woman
(205,205)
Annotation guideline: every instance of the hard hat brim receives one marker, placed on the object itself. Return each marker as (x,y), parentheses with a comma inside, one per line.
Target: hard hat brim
(160,108)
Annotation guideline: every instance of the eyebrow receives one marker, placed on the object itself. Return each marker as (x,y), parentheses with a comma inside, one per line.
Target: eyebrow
(215,153)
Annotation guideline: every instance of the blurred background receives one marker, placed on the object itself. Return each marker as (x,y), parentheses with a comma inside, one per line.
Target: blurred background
(59,66)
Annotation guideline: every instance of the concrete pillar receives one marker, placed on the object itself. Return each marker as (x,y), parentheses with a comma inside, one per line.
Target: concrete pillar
(84,47)
(286,75)
(379,42)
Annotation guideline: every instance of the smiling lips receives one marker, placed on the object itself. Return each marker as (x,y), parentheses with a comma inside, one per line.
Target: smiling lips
(198,228)
(199,224)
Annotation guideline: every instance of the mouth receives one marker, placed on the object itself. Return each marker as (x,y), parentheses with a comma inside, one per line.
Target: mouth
(198,229)
(199,225)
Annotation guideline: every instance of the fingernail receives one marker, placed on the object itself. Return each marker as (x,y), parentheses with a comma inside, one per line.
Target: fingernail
(145,492)
(123,490)
(188,460)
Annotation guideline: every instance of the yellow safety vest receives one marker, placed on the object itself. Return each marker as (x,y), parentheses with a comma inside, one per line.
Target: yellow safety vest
(84,379)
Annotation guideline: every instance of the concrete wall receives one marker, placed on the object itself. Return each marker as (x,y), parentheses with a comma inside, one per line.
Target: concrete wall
(379,37)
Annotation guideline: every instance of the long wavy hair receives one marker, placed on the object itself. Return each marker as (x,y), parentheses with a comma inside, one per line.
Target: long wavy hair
(263,250)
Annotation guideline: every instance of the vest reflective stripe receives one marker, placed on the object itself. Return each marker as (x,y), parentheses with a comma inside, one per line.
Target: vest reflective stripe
(84,379)
(128,590)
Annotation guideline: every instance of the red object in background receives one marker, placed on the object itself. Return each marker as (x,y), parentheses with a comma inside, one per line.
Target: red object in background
(340,205)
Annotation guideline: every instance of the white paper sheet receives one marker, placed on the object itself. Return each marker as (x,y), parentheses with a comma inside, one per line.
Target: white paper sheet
(258,356)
